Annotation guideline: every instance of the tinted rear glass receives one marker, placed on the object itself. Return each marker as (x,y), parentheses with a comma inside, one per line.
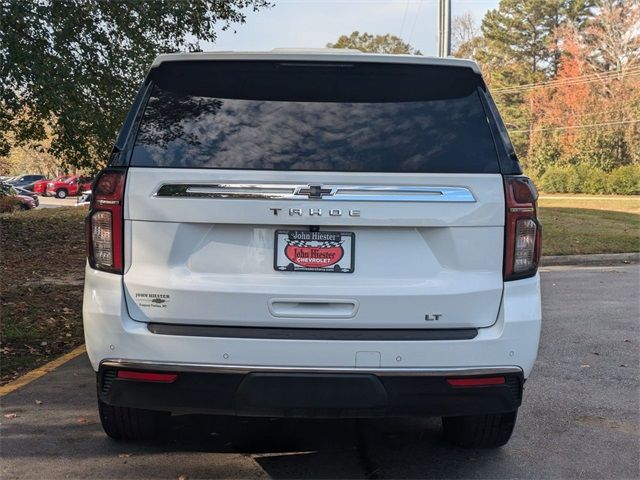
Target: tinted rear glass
(315,117)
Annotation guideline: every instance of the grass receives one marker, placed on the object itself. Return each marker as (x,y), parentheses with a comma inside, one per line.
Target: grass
(572,231)
(41,274)
(615,203)
(585,224)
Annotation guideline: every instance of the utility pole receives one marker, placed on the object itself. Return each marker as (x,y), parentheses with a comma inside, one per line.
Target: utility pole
(444,28)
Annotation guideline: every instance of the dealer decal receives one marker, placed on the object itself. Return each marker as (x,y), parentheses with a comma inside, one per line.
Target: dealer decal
(152,300)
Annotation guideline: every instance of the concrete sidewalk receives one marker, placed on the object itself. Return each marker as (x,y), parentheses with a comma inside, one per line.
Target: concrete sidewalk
(53,202)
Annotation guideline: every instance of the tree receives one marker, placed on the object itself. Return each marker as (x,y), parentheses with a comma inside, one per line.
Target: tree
(366,42)
(464,35)
(32,159)
(566,77)
(612,46)
(565,102)
(74,66)
(520,45)
(614,36)
(590,109)
(523,31)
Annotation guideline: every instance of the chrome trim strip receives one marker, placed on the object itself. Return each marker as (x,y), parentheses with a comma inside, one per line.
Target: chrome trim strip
(353,193)
(221,368)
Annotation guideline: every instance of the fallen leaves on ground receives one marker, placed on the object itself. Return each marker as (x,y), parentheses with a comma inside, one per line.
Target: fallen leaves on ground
(42,270)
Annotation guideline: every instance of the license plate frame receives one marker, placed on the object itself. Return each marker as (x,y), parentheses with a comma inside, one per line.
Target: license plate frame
(297,250)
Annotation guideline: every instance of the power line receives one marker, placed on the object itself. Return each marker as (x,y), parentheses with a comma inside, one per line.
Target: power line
(568,84)
(404,17)
(415,21)
(577,77)
(582,79)
(564,84)
(572,127)
(587,114)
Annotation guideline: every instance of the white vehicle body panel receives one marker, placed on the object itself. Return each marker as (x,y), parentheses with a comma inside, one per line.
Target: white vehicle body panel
(111,334)
(211,259)
(317,55)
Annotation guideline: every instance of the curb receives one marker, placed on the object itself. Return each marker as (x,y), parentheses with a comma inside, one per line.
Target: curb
(40,371)
(602,259)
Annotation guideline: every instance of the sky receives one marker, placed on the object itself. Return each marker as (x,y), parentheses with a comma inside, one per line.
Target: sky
(314,23)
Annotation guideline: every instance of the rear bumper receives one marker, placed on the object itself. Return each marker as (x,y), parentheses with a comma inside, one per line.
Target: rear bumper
(411,371)
(332,393)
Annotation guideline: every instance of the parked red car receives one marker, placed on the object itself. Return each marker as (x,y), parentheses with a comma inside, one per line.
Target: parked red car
(72,185)
(40,187)
(20,202)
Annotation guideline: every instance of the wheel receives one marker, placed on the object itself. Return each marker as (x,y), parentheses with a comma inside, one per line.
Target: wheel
(122,423)
(480,431)
(62,193)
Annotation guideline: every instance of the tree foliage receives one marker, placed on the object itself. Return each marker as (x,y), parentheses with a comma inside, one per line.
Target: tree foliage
(72,67)
(32,158)
(593,103)
(465,36)
(566,77)
(365,42)
(523,31)
(614,35)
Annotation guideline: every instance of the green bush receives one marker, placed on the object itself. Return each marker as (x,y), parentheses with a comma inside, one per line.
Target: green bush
(587,179)
(555,179)
(596,182)
(625,180)
(577,179)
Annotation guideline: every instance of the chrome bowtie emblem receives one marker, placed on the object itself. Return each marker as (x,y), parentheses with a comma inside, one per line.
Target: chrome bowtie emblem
(314,191)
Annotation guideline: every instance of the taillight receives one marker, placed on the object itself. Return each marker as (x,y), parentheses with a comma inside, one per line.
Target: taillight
(523,232)
(147,376)
(104,225)
(475,382)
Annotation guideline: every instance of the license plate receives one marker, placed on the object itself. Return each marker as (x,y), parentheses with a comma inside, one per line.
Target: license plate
(306,251)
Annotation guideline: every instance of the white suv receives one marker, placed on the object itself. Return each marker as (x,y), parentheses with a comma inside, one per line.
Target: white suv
(323,234)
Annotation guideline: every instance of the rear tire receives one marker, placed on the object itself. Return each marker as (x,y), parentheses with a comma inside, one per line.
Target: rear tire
(480,431)
(122,423)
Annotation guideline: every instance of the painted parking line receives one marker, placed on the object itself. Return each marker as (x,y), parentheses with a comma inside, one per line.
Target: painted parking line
(40,371)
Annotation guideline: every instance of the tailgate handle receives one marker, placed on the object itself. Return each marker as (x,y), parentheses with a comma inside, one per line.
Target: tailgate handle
(313,307)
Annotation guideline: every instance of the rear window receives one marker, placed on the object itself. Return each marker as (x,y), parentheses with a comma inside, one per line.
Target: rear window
(315,117)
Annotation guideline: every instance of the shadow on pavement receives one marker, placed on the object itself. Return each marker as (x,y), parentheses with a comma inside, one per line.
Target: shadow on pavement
(63,436)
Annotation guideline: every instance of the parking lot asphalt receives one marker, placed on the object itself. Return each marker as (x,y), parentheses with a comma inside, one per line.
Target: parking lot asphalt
(579,418)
